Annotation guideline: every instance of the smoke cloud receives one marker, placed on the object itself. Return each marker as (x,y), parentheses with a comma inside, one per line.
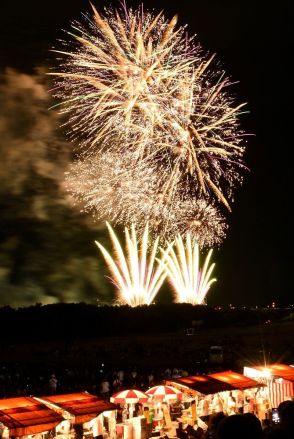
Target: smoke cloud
(47,251)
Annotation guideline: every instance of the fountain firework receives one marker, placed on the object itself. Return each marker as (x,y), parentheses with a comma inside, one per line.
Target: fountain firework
(190,282)
(137,273)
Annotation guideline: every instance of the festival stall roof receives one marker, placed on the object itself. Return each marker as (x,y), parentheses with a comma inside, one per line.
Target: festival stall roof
(24,416)
(216,382)
(273,370)
(204,384)
(235,379)
(82,406)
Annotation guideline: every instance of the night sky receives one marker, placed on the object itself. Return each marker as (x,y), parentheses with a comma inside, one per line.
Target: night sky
(253,40)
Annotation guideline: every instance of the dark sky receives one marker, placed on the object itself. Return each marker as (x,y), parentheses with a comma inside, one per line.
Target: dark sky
(253,39)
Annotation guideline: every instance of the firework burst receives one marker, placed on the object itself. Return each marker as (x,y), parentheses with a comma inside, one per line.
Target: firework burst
(182,261)
(111,188)
(133,82)
(136,272)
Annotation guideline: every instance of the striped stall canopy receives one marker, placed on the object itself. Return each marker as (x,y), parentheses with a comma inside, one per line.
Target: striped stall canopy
(130,396)
(279,391)
(164,393)
(279,379)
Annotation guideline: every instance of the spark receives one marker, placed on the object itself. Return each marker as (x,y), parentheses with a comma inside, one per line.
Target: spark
(136,272)
(112,188)
(182,263)
(133,82)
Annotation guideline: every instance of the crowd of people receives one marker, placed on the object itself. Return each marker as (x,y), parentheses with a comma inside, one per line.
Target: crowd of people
(17,380)
(240,426)
(243,426)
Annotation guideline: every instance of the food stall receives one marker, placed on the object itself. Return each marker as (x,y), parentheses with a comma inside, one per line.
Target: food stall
(85,415)
(132,427)
(24,416)
(219,392)
(199,388)
(278,379)
(245,397)
(162,399)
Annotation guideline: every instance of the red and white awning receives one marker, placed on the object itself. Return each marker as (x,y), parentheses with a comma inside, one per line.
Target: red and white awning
(129,397)
(279,392)
(164,393)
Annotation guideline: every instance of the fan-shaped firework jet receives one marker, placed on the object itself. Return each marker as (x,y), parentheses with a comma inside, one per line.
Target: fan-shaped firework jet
(190,282)
(131,82)
(136,272)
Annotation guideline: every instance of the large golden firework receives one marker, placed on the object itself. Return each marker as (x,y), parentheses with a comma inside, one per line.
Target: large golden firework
(133,82)
(111,187)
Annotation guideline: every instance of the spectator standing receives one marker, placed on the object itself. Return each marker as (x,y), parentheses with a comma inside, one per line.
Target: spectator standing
(285,428)
(104,388)
(150,379)
(121,376)
(116,384)
(53,384)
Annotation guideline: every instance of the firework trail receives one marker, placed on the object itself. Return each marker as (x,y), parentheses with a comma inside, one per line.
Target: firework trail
(136,272)
(111,188)
(182,261)
(133,82)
